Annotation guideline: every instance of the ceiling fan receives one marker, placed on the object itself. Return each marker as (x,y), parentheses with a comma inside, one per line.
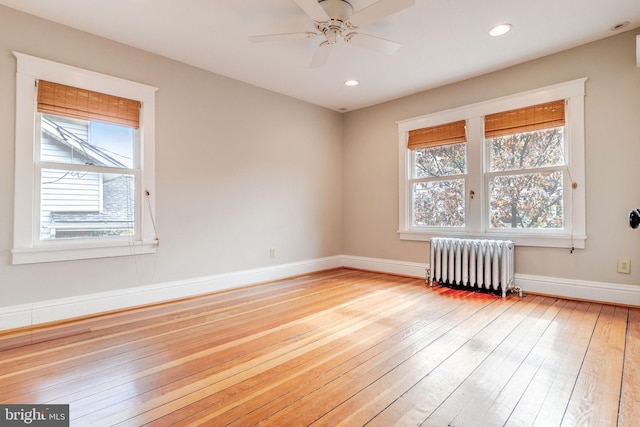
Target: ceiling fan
(336,20)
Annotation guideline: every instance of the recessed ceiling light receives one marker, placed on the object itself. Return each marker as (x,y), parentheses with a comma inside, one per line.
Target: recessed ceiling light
(620,26)
(351,83)
(500,29)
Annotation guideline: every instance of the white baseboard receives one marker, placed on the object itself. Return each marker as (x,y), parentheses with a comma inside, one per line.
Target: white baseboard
(583,290)
(404,268)
(66,308)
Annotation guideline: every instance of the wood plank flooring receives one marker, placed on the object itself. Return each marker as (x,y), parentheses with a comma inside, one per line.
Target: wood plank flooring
(339,347)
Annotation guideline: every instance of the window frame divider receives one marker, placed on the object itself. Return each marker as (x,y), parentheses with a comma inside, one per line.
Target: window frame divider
(574,92)
(27,246)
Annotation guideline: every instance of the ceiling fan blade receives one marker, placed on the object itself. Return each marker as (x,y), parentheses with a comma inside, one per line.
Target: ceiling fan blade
(313,9)
(283,36)
(321,55)
(378,11)
(372,42)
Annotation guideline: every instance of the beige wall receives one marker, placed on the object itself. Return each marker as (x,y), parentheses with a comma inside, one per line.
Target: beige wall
(239,170)
(612,159)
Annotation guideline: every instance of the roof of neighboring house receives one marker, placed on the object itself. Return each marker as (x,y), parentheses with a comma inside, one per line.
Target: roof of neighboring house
(118,199)
(95,155)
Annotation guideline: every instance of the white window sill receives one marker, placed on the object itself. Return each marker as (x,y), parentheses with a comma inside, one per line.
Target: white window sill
(548,241)
(66,253)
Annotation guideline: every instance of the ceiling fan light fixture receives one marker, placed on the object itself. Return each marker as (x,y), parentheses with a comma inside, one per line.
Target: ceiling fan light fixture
(335,19)
(332,35)
(499,30)
(351,82)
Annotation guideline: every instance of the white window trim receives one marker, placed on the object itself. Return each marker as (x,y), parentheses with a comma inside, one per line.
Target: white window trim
(573,237)
(27,247)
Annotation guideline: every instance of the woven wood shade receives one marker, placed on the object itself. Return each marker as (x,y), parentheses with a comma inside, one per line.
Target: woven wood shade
(535,117)
(449,133)
(54,98)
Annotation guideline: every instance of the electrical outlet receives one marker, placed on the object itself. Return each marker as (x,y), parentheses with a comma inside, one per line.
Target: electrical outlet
(272,253)
(624,266)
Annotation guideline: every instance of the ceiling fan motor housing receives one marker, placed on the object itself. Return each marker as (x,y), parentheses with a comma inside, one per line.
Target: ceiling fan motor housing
(339,12)
(333,20)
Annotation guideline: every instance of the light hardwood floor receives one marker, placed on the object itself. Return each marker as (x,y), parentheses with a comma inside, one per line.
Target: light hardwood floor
(339,347)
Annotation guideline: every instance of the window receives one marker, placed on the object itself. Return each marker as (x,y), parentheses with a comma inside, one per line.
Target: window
(84,164)
(439,168)
(526,167)
(513,169)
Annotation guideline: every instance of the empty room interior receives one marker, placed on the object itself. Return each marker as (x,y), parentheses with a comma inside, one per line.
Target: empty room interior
(301,212)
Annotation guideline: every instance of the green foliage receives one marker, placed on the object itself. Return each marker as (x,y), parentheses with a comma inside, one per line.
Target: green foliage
(526,201)
(439,203)
(527,150)
(530,200)
(443,160)
(525,183)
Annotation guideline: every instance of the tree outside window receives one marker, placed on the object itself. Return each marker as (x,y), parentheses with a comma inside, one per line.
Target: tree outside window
(507,168)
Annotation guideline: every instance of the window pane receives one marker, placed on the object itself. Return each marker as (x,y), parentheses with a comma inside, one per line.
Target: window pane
(67,140)
(77,204)
(438,203)
(443,160)
(529,201)
(527,150)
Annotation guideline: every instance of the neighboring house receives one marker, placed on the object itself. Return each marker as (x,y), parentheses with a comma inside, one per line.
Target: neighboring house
(81,204)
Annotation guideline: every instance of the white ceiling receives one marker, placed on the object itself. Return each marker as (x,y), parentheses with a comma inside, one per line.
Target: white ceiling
(443,41)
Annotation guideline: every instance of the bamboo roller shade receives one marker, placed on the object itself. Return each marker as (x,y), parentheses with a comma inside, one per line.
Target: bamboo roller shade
(535,117)
(449,133)
(54,98)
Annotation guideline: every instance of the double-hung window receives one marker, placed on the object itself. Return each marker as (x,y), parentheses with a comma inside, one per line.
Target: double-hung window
(438,175)
(512,168)
(526,168)
(87,163)
(84,164)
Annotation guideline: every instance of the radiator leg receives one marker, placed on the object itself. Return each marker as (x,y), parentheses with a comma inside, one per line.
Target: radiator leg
(428,279)
(513,288)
